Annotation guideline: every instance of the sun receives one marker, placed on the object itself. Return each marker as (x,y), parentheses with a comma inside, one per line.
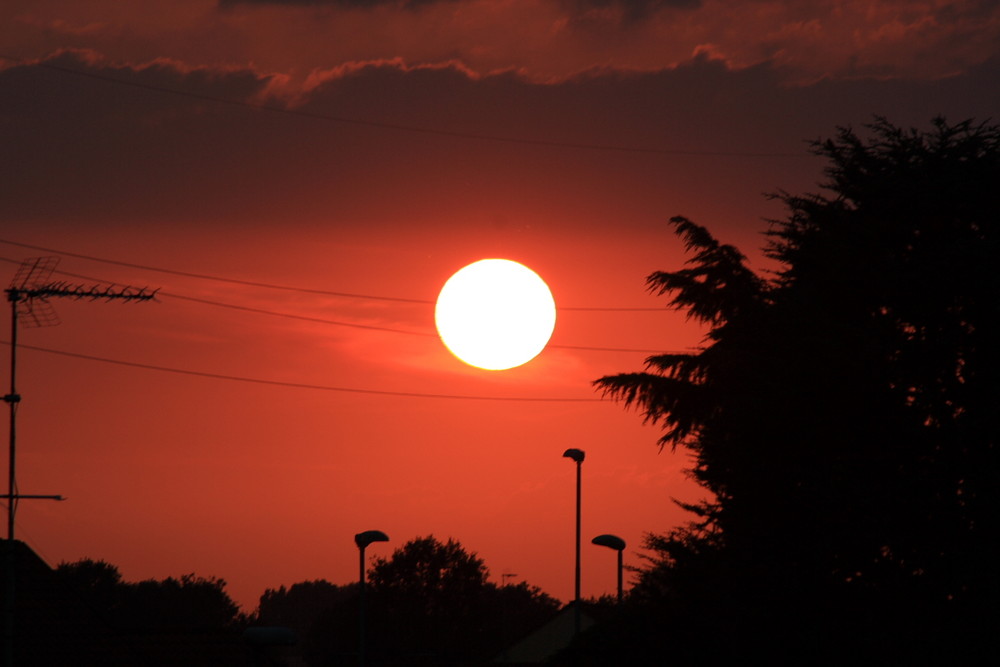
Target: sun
(495,314)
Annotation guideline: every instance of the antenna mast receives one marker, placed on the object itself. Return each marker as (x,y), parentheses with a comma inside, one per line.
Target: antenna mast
(28,294)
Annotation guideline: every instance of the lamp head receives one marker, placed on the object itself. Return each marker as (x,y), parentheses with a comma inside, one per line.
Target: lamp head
(609,541)
(369,536)
(575,454)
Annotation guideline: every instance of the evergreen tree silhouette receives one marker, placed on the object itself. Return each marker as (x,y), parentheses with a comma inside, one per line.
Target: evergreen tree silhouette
(841,412)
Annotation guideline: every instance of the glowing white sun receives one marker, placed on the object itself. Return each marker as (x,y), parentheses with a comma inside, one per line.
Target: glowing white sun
(495,314)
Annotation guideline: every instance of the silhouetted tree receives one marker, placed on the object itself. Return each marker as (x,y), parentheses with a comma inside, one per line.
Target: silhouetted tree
(190,602)
(841,411)
(429,574)
(186,602)
(432,602)
(298,606)
(99,582)
(322,615)
(518,609)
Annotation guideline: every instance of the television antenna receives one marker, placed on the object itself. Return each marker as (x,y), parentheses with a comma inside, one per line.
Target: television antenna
(29,295)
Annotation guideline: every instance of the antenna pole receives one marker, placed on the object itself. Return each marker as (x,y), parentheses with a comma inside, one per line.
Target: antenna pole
(12,399)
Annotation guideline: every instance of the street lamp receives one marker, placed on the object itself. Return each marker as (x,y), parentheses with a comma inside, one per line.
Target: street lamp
(618,544)
(577,455)
(363,540)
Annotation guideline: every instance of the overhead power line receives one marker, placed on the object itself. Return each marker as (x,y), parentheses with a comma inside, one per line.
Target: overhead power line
(375,327)
(302,385)
(341,323)
(413,129)
(222,279)
(288,288)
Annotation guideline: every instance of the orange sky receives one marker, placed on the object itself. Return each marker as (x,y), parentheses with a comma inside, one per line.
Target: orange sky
(556,133)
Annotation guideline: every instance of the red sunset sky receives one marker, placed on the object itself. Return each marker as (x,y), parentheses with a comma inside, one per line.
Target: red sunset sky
(374,148)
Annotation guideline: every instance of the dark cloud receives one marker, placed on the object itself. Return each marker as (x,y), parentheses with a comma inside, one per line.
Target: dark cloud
(629,11)
(350,4)
(628,7)
(635,6)
(969,9)
(122,149)
(78,147)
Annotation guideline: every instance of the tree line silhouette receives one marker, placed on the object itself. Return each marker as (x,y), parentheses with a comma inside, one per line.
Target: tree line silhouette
(185,603)
(428,603)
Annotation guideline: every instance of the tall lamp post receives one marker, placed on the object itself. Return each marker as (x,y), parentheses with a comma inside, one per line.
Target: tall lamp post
(618,544)
(363,540)
(577,455)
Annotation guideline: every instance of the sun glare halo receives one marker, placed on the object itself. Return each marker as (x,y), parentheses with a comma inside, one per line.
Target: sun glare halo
(495,314)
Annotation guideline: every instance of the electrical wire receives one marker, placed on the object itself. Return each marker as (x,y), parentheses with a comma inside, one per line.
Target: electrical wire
(202,276)
(289,288)
(341,323)
(301,385)
(413,129)
(373,327)
(355,390)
